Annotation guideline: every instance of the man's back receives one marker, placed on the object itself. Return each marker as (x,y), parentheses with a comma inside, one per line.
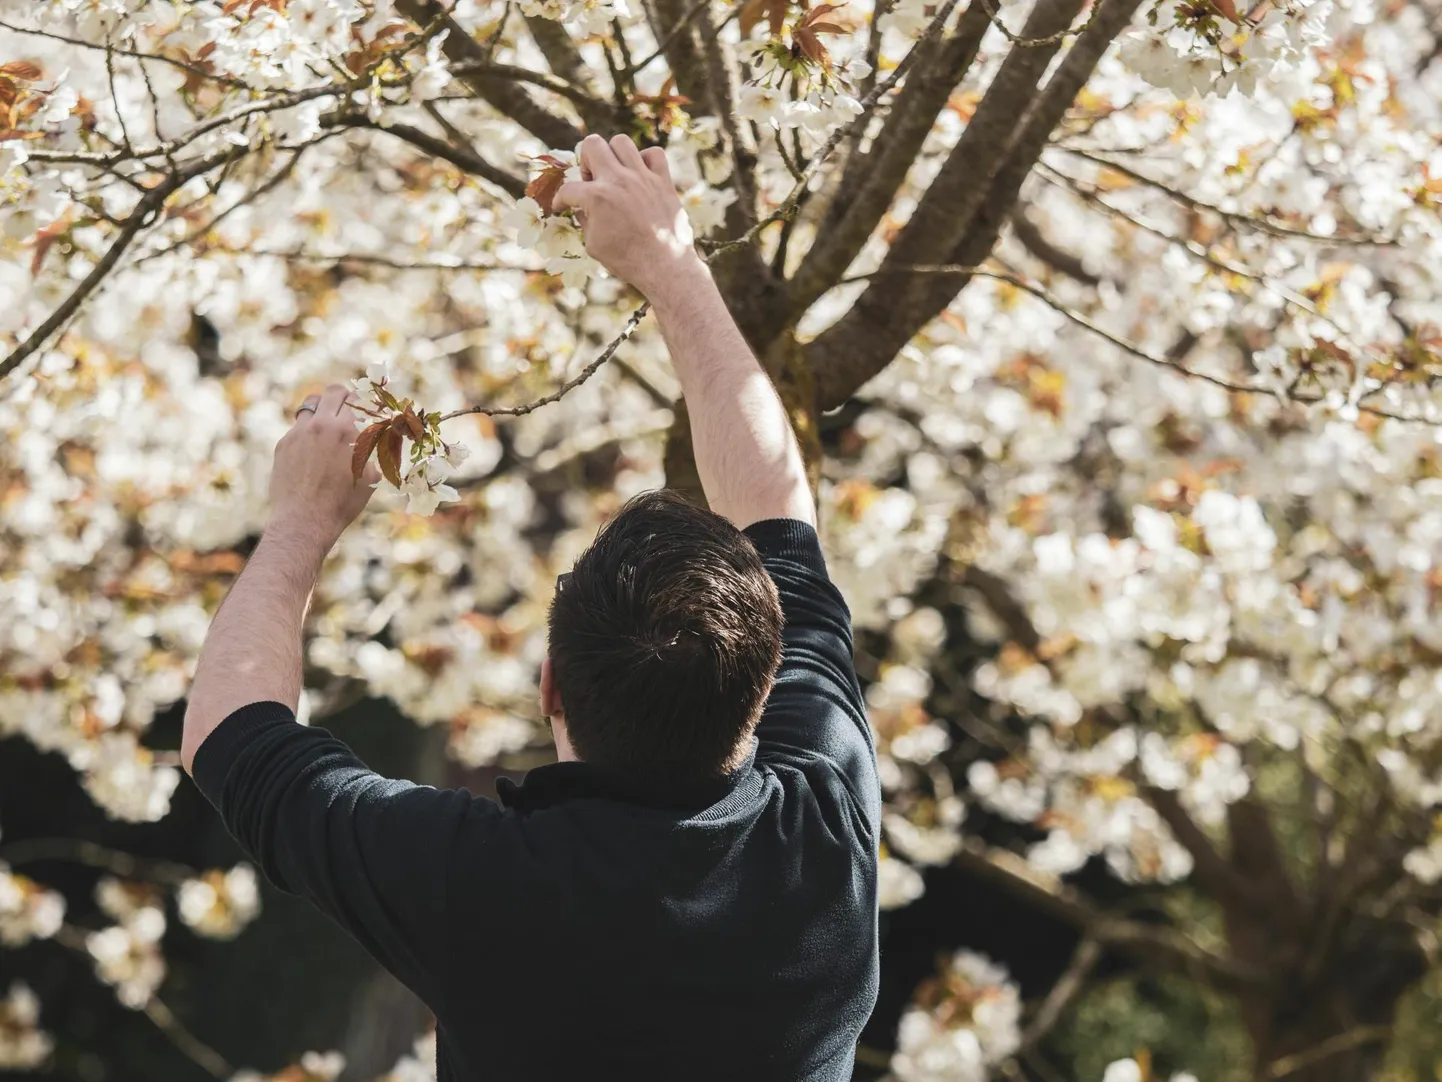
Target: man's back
(585,927)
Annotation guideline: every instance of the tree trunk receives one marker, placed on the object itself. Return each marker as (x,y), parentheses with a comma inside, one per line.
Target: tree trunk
(1337,1026)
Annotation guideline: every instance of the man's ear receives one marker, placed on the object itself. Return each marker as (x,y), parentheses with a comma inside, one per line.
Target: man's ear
(550,698)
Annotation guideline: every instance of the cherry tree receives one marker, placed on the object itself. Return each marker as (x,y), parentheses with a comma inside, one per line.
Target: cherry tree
(1109,330)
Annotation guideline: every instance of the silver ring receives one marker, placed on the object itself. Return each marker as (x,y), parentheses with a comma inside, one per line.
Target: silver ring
(305,408)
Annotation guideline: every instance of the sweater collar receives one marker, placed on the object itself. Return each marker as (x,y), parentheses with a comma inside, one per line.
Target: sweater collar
(555,783)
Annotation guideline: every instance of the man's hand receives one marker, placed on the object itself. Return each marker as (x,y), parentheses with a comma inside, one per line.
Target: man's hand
(631,218)
(253,651)
(746,453)
(312,492)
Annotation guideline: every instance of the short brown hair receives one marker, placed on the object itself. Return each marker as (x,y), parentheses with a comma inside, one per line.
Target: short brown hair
(664,641)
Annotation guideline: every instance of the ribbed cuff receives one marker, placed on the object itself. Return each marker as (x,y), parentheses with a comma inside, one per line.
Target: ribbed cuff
(219,750)
(788,539)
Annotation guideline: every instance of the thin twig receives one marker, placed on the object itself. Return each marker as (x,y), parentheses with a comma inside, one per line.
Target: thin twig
(1191,247)
(1121,343)
(115,97)
(543,79)
(199,1053)
(278,178)
(1050,39)
(114,861)
(374,260)
(1062,995)
(675,32)
(571,384)
(1262,225)
(169,147)
(230,80)
(141,216)
(1359,1037)
(868,104)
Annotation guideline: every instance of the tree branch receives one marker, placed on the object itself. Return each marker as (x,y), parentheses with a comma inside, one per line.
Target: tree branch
(665,41)
(1172,359)
(1358,1037)
(870,180)
(1062,994)
(723,80)
(1145,942)
(78,851)
(958,215)
(1030,236)
(1004,604)
(823,153)
(144,212)
(1234,218)
(199,1053)
(600,112)
(566,61)
(500,92)
(1211,871)
(461,157)
(228,80)
(571,384)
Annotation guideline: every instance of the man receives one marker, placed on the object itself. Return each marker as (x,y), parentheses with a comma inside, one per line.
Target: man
(690,892)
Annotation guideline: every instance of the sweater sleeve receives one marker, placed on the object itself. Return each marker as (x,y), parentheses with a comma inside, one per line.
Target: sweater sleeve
(370,852)
(815,708)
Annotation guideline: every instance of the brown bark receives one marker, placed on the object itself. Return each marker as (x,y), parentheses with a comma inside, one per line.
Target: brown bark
(1334,1027)
(962,213)
(505,95)
(871,178)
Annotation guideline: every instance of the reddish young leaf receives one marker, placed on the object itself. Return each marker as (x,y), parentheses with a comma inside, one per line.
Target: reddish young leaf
(826,28)
(810,46)
(774,11)
(1228,8)
(21,69)
(413,423)
(45,240)
(544,187)
(388,454)
(365,443)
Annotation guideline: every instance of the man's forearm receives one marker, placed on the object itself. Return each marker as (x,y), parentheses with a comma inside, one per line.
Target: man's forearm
(746,452)
(252,652)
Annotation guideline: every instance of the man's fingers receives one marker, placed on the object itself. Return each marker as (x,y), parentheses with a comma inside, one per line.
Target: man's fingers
(306,410)
(626,152)
(597,158)
(655,159)
(572,195)
(332,401)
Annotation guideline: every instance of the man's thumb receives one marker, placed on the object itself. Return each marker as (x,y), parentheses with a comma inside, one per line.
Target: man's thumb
(573,195)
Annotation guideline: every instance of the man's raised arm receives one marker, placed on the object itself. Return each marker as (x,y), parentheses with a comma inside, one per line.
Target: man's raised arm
(746,452)
(370,852)
(747,456)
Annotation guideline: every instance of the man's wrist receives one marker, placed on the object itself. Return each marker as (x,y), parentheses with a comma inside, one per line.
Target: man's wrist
(301,544)
(683,281)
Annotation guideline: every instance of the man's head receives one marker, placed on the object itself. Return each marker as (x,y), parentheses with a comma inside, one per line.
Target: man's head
(664,640)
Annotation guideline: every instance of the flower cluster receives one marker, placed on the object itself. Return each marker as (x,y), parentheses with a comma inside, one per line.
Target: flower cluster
(963,1023)
(27,910)
(419,474)
(23,1044)
(219,904)
(127,954)
(796,82)
(312,1067)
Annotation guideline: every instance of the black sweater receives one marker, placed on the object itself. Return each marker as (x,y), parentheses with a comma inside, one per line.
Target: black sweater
(583,930)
